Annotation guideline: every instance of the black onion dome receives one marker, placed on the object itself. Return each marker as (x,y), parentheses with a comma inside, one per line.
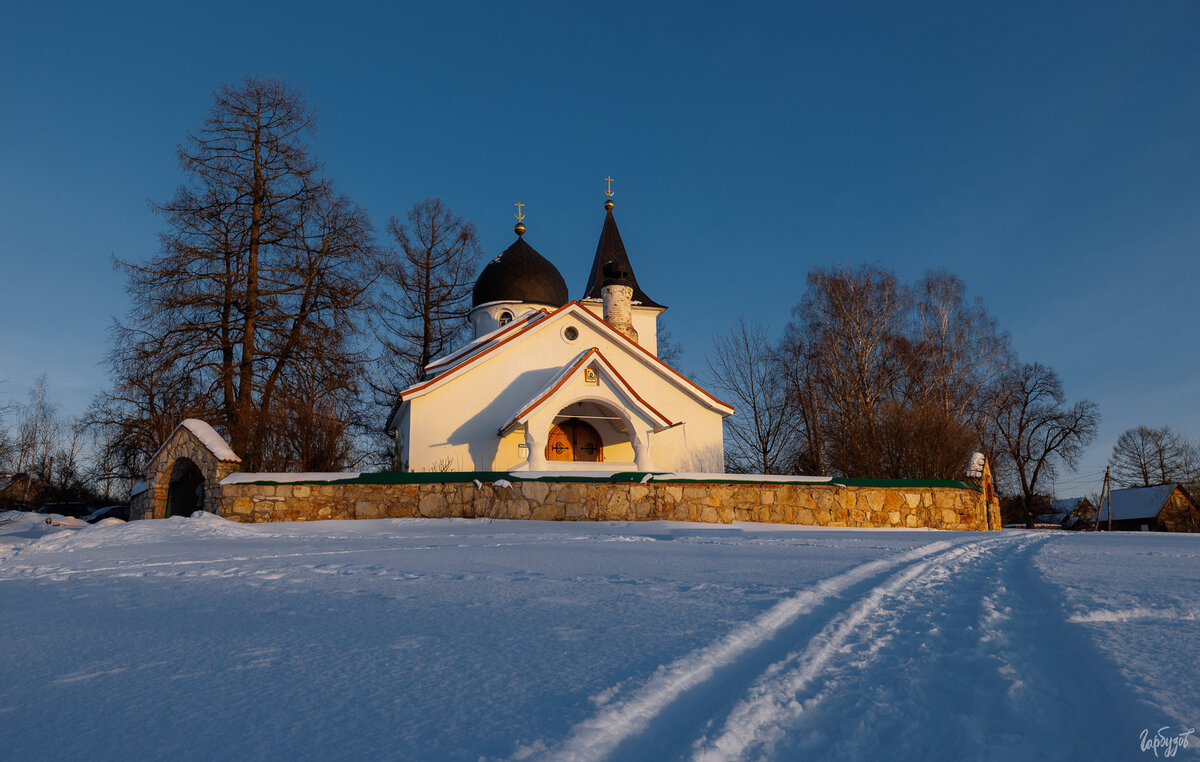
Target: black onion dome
(520,274)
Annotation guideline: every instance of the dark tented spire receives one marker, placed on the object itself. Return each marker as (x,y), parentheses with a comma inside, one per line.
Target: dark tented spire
(610,249)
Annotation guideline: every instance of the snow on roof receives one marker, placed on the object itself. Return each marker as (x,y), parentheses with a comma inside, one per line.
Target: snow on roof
(213,441)
(1060,509)
(1137,502)
(682,476)
(1066,505)
(670,476)
(483,340)
(138,488)
(208,437)
(975,468)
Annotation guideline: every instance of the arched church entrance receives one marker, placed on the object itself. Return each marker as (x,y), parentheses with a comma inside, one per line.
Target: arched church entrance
(185,494)
(574,440)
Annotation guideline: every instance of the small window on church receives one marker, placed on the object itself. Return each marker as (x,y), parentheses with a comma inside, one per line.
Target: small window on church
(505,317)
(570,333)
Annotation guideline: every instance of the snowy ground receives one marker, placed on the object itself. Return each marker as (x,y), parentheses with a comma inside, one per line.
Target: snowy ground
(444,639)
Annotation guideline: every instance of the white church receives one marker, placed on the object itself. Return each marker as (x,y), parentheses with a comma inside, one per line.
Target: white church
(551,384)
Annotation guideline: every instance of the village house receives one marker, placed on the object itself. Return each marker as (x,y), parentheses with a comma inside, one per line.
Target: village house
(18,490)
(1069,513)
(1161,508)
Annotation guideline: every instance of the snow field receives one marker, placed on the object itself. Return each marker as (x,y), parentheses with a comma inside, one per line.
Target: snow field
(413,639)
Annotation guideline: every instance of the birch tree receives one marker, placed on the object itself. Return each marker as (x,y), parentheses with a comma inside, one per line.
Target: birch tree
(887,379)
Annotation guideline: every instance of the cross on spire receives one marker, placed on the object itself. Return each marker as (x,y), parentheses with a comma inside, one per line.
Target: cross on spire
(519,228)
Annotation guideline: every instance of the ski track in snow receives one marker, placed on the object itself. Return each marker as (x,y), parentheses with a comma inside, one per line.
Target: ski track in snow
(598,736)
(835,660)
(763,718)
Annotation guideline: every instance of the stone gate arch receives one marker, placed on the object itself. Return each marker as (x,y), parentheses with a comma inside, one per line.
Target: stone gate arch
(183,475)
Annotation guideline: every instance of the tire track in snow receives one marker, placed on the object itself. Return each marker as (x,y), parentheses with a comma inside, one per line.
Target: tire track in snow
(775,701)
(598,736)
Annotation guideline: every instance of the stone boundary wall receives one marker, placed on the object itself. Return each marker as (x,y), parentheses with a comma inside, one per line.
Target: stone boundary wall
(815,504)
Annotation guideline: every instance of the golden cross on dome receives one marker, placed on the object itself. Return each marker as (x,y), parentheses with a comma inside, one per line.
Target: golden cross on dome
(609,192)
(520,216)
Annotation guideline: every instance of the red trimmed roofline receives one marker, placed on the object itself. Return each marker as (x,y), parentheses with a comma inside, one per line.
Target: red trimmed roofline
(633,391)
(550,392)
(519,322)
(652,356)
(548,315)
(570,373)
(495,345)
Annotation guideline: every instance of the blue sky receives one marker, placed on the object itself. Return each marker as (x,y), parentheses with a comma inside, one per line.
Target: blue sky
(1046,153)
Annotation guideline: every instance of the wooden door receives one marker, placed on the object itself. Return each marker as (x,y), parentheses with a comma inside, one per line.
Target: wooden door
(574,440)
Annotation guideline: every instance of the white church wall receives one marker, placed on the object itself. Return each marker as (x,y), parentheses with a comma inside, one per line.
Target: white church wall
(511,451)
(458,422)
(645,322)
(695,446)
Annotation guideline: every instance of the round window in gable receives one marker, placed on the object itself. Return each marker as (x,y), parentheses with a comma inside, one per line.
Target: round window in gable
(570,333)
(505,318)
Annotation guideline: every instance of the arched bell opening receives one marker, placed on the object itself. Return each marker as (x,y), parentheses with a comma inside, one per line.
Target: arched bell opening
(185,494)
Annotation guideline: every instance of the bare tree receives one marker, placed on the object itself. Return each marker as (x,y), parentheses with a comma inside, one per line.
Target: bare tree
(889,380)
(1144,456)
(845,333)
(1036,432)
(104,467)
(50,449)
(38,430)
(669,350)
(69,466)
(261,281)
(422,312)
(798,367)
(1189,471)
(6,434)
(421,304)
(761,434)
(959,350)
(148,395)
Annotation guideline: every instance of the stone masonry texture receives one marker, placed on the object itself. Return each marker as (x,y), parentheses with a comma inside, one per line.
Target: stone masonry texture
(831,505)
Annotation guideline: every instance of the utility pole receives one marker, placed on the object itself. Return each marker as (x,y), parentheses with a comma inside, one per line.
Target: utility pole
(1109,499)
(1103,492)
